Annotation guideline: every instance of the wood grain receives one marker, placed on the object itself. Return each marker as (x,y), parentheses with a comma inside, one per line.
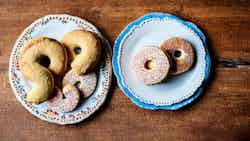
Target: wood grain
(222,113)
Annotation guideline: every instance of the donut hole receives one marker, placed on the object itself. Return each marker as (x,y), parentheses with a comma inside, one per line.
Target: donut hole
(149,64)
(177,54)
(77,84)
(44,61)
(77,50)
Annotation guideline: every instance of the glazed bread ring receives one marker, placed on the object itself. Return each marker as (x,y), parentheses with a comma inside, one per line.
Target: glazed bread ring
(84,50)
(85,83)
(181,52)
(30,63)
(150,65)
(66,100)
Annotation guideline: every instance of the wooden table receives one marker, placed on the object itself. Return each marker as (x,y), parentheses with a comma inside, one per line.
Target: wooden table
(222,113)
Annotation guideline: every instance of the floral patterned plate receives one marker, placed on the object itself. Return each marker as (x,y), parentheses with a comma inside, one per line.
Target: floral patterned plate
(152,29)
(55,26)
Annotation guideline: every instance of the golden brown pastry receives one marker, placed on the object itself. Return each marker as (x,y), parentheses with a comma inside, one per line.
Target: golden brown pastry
(84,50)
(32,66)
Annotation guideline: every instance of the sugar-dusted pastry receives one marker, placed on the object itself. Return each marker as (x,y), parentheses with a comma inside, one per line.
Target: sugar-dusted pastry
(31,63)
(66,100)
(150,65)
(84,50)
(86,83)
(181,52)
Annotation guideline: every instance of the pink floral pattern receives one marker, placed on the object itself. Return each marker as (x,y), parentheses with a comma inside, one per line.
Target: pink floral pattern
(43,112)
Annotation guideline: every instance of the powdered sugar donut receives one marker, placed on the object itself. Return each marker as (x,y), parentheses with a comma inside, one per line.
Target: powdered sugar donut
(85,83)
(60,104)
(150,65)
(181,52)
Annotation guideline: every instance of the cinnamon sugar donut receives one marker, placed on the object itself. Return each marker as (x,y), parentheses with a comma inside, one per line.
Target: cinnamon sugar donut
(181,52)
(31,65)
(150,65)
(84,50)
(85,83)
(66,100)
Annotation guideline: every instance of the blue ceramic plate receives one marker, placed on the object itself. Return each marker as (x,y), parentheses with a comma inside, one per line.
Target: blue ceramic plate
(152,29)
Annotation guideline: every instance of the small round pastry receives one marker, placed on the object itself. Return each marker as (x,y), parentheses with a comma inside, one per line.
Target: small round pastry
(181,52)
(66,100)
(38,58)
(150,65)
(85,83)
(84,50)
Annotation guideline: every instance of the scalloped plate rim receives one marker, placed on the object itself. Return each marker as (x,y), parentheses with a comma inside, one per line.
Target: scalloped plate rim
(108,49)
(135,100)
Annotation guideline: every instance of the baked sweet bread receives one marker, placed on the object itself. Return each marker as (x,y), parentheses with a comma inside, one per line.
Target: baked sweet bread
(84,50)
(86,83)
(66,100)
(181,52)
(31,64)
(150,65)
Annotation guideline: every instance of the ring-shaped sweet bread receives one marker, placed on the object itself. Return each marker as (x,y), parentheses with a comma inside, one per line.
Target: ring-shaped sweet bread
(84,49)
(31,64)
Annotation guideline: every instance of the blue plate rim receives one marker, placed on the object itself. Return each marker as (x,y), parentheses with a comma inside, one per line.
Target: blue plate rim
(117,71)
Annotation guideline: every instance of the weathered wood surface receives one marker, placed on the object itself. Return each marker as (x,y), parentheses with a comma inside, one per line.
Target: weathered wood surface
(222,113)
